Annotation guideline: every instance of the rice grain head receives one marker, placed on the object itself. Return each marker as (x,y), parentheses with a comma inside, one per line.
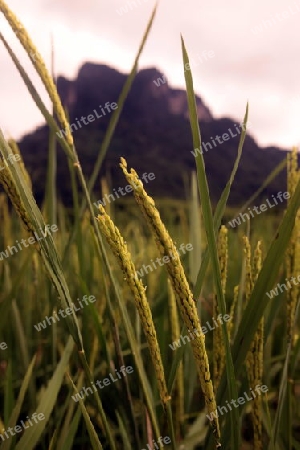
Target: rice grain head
(292,258)
(184,296)
(10,188)
(120,250)
(218,342)
(254,359)
(39,65)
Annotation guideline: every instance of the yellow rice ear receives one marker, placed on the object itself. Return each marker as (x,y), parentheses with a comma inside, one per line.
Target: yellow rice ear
(292,258)
(254,358)
(120,249)
(218,343)
(10,188)
(40,67)
(180,286)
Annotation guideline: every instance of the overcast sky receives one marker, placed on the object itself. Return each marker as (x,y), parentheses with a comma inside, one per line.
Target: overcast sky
(255,48)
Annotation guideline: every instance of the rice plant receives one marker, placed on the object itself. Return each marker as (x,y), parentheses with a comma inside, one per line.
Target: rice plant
(96,355)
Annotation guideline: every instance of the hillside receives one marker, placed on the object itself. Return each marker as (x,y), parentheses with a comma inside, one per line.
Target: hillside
(153,135)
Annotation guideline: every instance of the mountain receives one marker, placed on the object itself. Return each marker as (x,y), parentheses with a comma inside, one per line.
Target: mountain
(153,134)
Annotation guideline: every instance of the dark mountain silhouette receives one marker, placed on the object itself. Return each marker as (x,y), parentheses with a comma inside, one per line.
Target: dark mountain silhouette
(153,134)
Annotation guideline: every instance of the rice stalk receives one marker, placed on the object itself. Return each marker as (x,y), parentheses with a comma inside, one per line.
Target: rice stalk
(218,342)
(39,65)
(120,250)
(180,286)
(254,359)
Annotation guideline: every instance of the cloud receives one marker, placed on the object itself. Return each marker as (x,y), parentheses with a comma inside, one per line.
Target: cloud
(247,66)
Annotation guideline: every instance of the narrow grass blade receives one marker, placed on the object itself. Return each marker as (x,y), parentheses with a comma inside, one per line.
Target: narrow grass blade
(176,361)
(32,435)
(124,433)
(68,443)
(51,194)
(195,230)
(8,391)
(68,428)
(16,412)
(281,399)
(96,444)
(121,100)
(220,209)
(24,349)
(210,233)
(196,433)
(267,181)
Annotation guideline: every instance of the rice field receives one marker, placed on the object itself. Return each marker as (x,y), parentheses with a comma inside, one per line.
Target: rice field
(146,323)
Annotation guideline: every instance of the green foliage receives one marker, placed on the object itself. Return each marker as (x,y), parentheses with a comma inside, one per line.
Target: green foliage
(45,371)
